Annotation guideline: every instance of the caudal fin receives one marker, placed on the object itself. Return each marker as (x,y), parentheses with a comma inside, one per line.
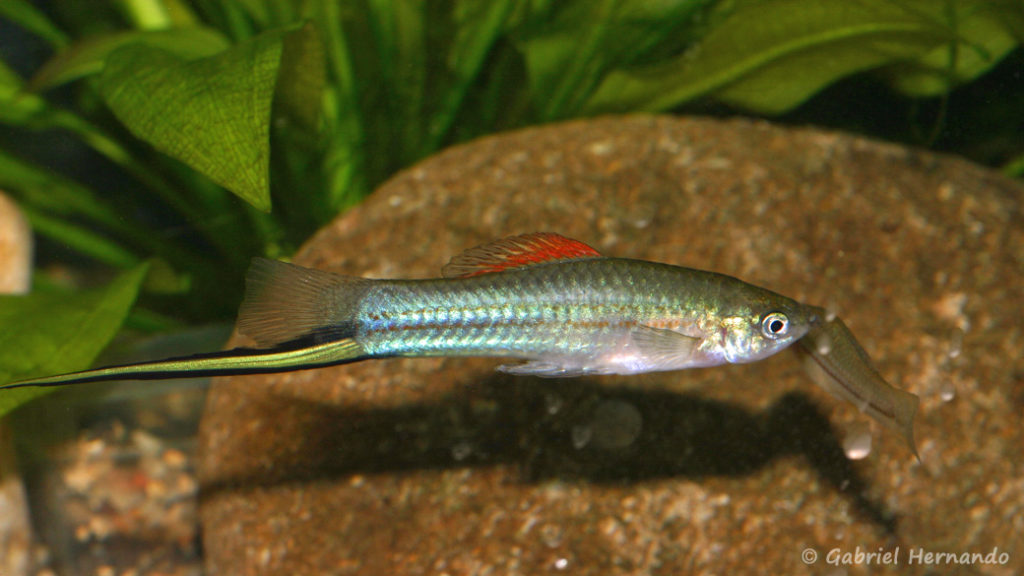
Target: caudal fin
(303,318)
(284,302)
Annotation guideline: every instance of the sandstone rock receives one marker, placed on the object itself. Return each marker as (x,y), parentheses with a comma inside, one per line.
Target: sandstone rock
(425,466)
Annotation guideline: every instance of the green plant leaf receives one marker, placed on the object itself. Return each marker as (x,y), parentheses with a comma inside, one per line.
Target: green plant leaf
(398,31)
(300,85)
(1010,13)
(475,28)
(79,219)
(983,38)
(82,238)
(16,105)
(771,55)
(213,114)
(86,57)
(570,50)
(24,14)
(46,190)
(56,333)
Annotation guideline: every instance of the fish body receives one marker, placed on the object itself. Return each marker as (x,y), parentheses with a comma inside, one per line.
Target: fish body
(591,315)
(555,303)
(552,303)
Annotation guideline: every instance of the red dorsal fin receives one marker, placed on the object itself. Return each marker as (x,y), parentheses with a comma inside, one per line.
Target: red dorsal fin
(516,252)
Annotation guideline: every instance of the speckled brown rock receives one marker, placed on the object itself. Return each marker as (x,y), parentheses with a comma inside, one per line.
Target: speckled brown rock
(444,467)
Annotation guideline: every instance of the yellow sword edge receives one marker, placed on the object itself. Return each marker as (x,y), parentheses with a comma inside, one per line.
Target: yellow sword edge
(227,363)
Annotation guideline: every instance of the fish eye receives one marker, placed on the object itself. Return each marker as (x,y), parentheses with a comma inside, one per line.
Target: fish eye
(775,325)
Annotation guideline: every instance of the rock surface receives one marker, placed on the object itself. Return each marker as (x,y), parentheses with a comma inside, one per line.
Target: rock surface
(435,466)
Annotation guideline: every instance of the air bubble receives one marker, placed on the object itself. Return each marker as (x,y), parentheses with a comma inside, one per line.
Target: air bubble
(956,343)
(823,343)
(461,451)
(857,443)
(561,564)
(553,403)
(831,309)
(947,391)
(581,436)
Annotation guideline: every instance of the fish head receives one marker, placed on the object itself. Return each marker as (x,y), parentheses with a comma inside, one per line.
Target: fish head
(763,327)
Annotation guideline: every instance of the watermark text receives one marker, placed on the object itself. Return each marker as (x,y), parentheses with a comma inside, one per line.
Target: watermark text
(900,556)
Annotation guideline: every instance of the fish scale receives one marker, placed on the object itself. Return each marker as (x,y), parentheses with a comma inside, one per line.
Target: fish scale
(576,308)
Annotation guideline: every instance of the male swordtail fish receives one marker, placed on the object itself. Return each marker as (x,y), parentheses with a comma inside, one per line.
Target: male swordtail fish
(554,303)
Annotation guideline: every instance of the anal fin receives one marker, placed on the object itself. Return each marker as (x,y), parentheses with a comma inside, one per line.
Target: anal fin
(550,368)
(647,349)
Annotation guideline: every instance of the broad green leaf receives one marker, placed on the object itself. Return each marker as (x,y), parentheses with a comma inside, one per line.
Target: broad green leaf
(771,55)
(983,38)
(86,57)
(24,14)
(212,114)
(56,333)
(302,78)
(1011,14)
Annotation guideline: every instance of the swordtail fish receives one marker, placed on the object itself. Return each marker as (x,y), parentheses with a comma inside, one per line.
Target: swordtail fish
(554,304)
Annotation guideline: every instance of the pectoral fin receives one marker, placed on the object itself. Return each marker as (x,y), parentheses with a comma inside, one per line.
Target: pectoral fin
(837,363)
(663,349)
